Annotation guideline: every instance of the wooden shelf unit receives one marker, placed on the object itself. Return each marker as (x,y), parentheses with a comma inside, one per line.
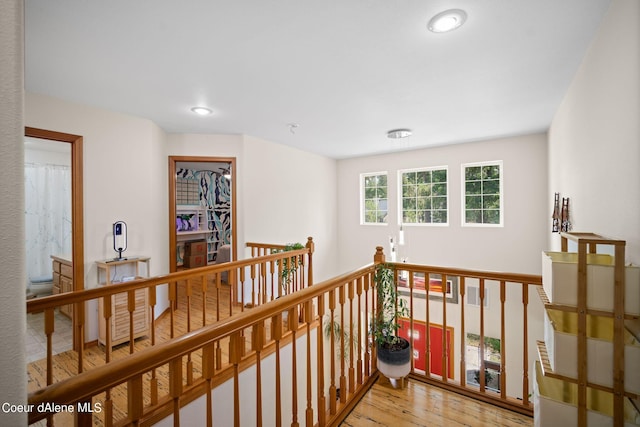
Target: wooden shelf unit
(117,271)
(587,244)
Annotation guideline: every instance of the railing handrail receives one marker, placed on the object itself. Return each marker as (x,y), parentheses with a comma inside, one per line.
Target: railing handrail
(101,378)
(78,296)
(532,279)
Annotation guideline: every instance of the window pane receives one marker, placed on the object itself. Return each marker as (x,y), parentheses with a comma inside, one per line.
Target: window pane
(439,175)
(491,172)
(409,204)
(370,193)
(409,178)
(491,187)
(474,187)
(439,216)
(409,217)
(473,217)
(382,180)
(423,203)
(408,191)
(491,202)
(424,216)
(423,177)
(424,189)
(439,189)
(473,173)
(473,202)
(382,192)
(492,217)
(439,203)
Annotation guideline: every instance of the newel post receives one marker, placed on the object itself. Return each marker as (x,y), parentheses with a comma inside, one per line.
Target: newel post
(379,258)
(311,246)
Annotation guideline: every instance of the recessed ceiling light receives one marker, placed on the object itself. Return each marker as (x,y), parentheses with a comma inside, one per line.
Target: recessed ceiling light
(448,20)
(203,111)
(399,133)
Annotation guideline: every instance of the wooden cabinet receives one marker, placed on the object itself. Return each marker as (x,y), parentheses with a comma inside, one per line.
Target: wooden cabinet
(111,272)
(62,280)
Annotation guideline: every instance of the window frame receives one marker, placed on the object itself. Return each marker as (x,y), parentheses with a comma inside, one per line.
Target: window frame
(400,198)
(463,182)
(363,177)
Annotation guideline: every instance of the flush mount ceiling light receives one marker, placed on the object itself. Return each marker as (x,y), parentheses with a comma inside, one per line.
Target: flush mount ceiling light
(448,20)
(202,111)
(399,133)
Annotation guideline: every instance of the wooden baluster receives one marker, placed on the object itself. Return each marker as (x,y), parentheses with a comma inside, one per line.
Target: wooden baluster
(427,350)
(173,303)
(481,345)
(175,388)
(411,311)
(332,387)
(311,246)
(232,289)
(343,378)
(218,348)
(375,310)
(252,271)
(208,372)
(49,329)
(320,368)
(445,348)
(525,348)
(134,400)
(367,356)
(131,307)
(276,335)
(235,357)
(242,279)
(153,385)
(463,338)
(257,343)
(358,343)
(107,313)
(79,317)
(204,299)
(351,349)
(308,318)
(274,279)
(301,272)
(189,361)
(503,341)
(263,278)
(293,319)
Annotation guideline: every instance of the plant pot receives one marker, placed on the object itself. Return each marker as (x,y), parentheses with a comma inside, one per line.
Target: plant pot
(394,364)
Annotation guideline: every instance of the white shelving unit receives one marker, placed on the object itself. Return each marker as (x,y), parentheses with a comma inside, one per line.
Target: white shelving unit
(587,372)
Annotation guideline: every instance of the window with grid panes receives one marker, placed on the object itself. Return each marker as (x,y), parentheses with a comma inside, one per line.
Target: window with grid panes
(374,198)
(482,194)
(424,196)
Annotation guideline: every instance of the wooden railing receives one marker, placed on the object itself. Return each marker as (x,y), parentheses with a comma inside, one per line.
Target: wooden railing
(322,332)
(289,328)
(196,298)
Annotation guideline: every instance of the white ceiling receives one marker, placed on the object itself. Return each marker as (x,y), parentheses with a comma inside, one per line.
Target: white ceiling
(346,71)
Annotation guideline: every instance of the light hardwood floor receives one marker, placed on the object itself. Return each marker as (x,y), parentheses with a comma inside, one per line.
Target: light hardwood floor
(419,404)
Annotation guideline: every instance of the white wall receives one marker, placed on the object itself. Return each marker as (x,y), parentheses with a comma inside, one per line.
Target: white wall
(594,140)
(291,195)
(12,268)
(125,179)
(515,247)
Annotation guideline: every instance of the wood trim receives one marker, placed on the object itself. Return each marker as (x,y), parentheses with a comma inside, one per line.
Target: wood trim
(172,204)
(77,217)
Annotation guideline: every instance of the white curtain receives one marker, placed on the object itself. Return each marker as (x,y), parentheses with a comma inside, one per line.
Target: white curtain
(48,215)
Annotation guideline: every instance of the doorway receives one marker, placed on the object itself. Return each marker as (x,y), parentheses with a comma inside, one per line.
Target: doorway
(202,209)
(74,259)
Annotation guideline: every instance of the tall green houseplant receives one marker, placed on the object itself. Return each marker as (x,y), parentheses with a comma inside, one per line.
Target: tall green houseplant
(393,352)
(390,308)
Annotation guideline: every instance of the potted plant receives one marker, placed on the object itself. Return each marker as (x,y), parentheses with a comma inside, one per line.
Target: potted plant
(394,352)
(288,266)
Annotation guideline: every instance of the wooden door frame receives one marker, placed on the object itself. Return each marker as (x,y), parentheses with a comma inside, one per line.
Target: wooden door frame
(77,218)
(173,160)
